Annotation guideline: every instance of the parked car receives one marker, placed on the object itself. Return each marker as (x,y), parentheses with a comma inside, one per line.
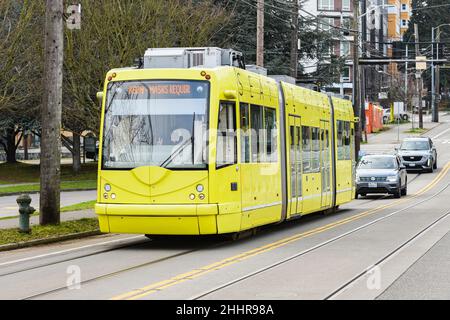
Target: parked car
(381,174)
(91,145)
(418,154)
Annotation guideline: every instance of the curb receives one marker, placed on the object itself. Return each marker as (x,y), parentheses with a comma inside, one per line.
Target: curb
(37,192)
(73,236)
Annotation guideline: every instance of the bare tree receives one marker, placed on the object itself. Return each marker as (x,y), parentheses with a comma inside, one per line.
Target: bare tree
(114,33)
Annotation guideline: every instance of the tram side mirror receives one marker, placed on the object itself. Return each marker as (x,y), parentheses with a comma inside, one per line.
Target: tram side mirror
(100,96)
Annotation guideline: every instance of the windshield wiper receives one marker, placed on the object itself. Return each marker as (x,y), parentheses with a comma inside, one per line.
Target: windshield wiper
(169,159)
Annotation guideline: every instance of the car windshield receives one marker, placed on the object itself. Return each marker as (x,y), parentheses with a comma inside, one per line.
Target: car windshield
(415,145)
(156,123)
(377,163)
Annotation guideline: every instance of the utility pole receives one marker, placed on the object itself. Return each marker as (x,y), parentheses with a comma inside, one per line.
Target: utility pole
(50,159)
(362,68)
(356,79)
(260,34)
(406,87)
(438,77)
(418,77)
(294,40)
(434,109)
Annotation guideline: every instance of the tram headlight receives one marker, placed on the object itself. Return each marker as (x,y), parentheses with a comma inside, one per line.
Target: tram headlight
(113,196)
(200,188)
(192,196)
(107,187)
(105,196)
(201,196)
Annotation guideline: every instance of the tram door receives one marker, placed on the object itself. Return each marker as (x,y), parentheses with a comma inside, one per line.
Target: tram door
(295,163)
(325,163)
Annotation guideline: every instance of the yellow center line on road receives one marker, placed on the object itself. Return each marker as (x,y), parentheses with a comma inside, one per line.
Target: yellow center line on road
(156,287)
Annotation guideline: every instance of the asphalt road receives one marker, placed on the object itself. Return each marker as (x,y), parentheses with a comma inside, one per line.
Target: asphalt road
(374,247)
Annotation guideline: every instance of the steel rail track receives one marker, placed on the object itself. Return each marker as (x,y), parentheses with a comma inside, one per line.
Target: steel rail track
(347,284)
(326,243)
(134,267)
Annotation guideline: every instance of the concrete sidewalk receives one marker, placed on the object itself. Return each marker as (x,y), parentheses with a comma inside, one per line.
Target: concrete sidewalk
(65,216)
(387,141)
(8,204)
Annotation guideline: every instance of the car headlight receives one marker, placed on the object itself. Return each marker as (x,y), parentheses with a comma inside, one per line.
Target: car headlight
(391,179)
(358,178)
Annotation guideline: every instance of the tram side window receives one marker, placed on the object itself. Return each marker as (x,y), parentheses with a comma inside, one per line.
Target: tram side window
(340,140)
(257,141)
(226,135)
(347,141)
(315,149)
(306,143)
(352,144)
(245,133)
(270,126)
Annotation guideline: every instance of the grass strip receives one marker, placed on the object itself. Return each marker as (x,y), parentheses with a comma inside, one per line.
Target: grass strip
(65,186)
(11,173)
(11,236)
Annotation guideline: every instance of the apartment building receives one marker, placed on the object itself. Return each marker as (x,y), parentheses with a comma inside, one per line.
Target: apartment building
(384,24)
(399,14)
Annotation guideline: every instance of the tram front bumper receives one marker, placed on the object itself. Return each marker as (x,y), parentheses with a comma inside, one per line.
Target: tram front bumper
(199,219)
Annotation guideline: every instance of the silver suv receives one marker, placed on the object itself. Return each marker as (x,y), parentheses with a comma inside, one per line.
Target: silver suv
(418,154)
(381,174)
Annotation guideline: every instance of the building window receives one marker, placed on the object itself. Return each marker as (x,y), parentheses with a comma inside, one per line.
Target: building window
(346,74)
(404,23)
(325,23)
(325,5)
(345,5)
(404,6)
(345,48)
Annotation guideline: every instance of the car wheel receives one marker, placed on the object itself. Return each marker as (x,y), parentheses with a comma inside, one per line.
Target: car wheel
(398,193)
(356,195)
(405,189)
(435,164)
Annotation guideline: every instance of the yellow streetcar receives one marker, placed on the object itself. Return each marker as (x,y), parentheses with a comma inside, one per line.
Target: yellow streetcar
(217,149)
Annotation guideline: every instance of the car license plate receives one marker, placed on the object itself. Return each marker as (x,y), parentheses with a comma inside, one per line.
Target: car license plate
(373,185)
(412,164)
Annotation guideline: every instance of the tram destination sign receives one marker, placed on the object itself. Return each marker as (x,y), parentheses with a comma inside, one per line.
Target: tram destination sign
(165,89)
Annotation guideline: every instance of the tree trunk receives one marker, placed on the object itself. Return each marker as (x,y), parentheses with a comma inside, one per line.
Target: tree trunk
(25,147)
(51,114)
(11,146)
(76,154)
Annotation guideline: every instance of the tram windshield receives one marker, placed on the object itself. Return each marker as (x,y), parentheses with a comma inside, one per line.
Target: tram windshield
(156,123)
